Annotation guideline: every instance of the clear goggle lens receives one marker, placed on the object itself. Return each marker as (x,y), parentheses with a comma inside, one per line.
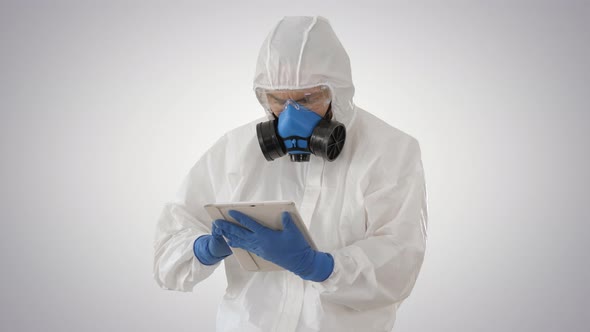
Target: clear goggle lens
(317,98)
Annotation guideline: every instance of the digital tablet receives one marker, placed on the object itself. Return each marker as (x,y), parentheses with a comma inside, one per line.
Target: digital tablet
(266,213)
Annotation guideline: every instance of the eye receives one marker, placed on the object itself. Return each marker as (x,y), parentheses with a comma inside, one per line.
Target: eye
(312,99)
(276,100)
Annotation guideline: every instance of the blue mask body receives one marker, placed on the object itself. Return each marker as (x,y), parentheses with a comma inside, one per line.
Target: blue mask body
(300,132)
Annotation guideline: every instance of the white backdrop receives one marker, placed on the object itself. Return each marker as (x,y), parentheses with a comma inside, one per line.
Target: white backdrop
(106,105)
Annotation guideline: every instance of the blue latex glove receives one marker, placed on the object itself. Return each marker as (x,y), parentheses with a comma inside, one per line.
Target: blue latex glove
(211,248)
(286,248)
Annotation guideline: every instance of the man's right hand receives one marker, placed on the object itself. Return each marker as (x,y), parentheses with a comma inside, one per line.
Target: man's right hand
(211,248)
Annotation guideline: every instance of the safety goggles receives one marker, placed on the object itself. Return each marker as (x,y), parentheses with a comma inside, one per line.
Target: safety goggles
(316,98)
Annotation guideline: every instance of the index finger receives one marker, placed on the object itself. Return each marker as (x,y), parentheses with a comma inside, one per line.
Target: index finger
(229,228)
(246,221)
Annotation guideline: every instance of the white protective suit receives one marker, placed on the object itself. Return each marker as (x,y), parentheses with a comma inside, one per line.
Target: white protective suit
(367,208)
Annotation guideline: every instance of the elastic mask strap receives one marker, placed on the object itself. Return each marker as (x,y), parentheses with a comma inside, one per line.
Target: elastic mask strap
(329,114)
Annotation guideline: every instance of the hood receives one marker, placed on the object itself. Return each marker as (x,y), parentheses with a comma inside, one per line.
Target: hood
(301,52)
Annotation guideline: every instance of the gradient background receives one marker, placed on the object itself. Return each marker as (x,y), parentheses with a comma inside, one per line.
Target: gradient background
(105,105)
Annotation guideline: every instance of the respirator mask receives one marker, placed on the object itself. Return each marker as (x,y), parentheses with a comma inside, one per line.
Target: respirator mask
(299,129)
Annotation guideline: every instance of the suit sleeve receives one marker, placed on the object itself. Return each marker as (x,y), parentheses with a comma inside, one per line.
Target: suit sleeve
(382,268)
(183,220)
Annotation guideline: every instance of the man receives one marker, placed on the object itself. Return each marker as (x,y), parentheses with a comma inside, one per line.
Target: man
(364,202)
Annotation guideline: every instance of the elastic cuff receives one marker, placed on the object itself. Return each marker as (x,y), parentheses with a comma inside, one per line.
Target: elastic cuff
(201,250)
